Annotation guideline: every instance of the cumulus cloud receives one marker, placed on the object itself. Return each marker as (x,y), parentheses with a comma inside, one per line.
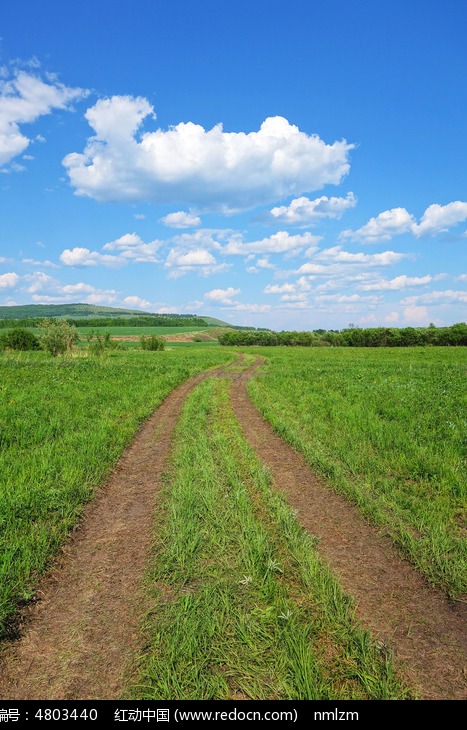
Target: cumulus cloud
(399,282)
(9,280)
(181,219)
(280,242)
(303,211)
(208,168)
(128,248)
(137,302)
(79,256)
(439,218)
(196,257)
(132,248)
(180,261)
(383,227)
(435,219)
(222,296)
(24,98)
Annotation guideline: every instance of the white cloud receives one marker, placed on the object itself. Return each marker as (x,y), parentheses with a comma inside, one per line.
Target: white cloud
(280,242)
(439,218)
(35,262)
(132,248)
(181,261)
(222,296)
(336,254)
(251,307)
(9,280)
(435,219)
(211,168)
(181,219)
(437,297)
(303,211)
(137,302)
(58,293)
(79,256)
(399,282)
(195,257)
(416,315)
(39,281)
(345,298)
(383,227)
(23,99)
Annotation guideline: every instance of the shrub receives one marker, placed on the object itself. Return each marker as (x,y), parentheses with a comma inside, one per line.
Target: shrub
(151,342)
(20,339)
(58,336)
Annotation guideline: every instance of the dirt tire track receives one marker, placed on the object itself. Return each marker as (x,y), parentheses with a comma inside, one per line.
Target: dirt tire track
(79,639)
(426,631)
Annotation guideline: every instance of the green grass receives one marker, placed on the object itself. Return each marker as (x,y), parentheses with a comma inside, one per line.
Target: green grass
(386,427)
(242,606)
(63,425)
(137,331)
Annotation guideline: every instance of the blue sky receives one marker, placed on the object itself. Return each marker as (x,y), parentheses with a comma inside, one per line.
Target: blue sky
(293,165)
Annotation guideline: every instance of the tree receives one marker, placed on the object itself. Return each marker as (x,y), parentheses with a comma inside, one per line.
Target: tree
(58,336)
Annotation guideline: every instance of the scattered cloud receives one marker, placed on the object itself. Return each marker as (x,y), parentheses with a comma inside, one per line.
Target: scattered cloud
(132,248)
(222,296)
(382,228)
(440,218)
(399,282)
(181,261)
(137,302)
(278,243)
(24,97)
(79,256)
(416,315)
(181,219)
(303,211)
(9,280)
(211,168)
(435,219)
(35,262)
(437,297)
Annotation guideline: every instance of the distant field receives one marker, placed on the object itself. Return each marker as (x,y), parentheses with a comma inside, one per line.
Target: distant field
(135,331)
(64,423)
(386,427)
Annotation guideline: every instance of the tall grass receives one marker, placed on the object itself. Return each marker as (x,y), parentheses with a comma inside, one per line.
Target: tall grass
(242,607)
(387,427)
(63,425)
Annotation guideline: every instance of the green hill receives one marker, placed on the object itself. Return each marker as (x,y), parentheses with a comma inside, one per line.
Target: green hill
(76,311)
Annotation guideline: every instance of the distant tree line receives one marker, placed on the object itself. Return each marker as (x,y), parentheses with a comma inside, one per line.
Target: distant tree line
(454,335)
(158,320)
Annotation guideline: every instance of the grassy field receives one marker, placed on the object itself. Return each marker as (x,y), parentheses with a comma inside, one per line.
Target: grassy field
(63,424)
(242,606)
(136,331)
(387,427)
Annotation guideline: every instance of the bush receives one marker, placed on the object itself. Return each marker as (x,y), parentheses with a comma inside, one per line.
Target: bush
(58,336)
(97,343)
(151,342)
(20,339)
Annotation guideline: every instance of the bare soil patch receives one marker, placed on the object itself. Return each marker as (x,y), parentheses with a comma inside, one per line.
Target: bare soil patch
(425,631)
